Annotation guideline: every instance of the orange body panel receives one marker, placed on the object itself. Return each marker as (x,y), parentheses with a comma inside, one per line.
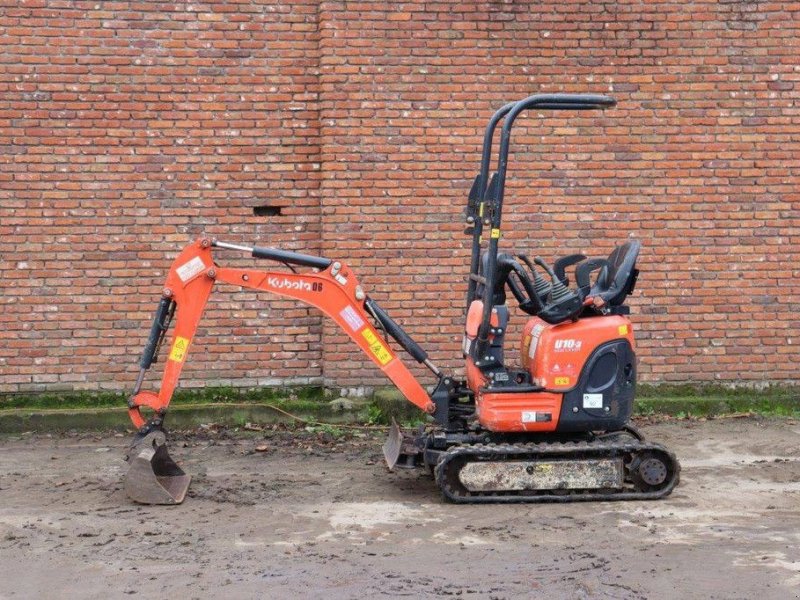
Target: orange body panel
(474,317)
(189,284)
(475,379)
(555,354)
(535,411)
(512,411)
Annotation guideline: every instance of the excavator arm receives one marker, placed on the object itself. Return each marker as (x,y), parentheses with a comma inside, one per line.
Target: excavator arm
(333,288)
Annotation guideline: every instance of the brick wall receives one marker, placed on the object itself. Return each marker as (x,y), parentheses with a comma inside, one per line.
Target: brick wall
(128,128)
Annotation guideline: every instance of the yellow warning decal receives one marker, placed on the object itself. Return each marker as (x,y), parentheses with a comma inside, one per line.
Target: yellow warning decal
(495,234)
(179,348)
(622,330)
(380,351)
(562,381)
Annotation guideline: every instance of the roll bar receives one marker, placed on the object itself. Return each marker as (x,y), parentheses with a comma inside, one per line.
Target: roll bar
(485,195)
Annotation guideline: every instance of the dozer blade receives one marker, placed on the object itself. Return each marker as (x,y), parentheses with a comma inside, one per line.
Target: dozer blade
(393,445)
(153,477)
(399,449)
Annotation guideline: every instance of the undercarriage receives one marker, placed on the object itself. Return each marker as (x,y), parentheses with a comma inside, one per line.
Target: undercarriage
(481,466)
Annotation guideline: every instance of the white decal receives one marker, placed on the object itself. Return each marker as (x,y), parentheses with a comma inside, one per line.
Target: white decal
(593,401)
(528,416)
(288,284)
(535,333)
(190,269)
(568,345)
(351,316)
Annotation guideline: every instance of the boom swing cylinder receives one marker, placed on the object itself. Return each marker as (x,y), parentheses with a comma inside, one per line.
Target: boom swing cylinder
(555,428)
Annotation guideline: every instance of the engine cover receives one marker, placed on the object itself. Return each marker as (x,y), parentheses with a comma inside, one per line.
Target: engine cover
(555,354)
(587,369)
(592,362)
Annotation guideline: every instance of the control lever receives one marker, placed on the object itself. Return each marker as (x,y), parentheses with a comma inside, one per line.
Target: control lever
(560,266)
(562,303)
(558,291)
(522,289)
(540,284)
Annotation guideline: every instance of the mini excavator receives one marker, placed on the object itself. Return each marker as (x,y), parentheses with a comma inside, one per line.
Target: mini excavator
(553,429)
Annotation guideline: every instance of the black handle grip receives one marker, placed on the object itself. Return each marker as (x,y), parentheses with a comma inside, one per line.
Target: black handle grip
(563,102)
(584,270)
(397,332)
(560,266)
(526,295)
(156,331)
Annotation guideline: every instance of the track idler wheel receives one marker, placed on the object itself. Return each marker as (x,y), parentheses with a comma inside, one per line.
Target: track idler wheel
(649,471)
(153,477)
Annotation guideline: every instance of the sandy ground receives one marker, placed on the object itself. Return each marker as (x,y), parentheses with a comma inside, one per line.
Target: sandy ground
(310,518)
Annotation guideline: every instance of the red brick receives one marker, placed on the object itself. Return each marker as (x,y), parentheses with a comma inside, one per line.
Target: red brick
(128,131)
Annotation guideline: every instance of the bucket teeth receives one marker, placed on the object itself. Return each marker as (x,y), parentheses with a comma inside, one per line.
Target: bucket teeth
(153,477)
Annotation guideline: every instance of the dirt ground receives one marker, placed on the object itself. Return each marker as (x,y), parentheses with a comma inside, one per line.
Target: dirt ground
(307,517)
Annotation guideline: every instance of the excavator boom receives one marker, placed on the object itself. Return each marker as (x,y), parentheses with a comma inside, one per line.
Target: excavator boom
(153,477)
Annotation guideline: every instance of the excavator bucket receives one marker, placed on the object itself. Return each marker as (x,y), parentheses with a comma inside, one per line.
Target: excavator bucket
(153,477)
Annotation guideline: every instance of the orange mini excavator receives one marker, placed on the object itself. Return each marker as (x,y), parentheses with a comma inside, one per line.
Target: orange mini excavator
(553,429)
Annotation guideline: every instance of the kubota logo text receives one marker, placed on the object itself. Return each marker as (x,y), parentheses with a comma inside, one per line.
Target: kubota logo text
(568,345)
(288,284)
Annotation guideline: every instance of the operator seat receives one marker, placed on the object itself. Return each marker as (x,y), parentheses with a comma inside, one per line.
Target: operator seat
(618,278)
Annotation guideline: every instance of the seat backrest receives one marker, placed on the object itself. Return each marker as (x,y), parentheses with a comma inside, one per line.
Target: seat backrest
(618,280)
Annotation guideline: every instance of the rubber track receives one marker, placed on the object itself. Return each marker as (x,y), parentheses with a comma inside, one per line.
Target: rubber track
(551,450)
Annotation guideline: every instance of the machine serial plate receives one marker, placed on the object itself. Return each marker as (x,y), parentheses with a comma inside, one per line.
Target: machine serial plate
(490,476)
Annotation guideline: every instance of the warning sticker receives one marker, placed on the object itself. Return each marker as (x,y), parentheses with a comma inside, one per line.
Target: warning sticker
(190,269)
(622,330)
(380,351)
(562,380)
(179,348)
(350,315)
(593,401)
